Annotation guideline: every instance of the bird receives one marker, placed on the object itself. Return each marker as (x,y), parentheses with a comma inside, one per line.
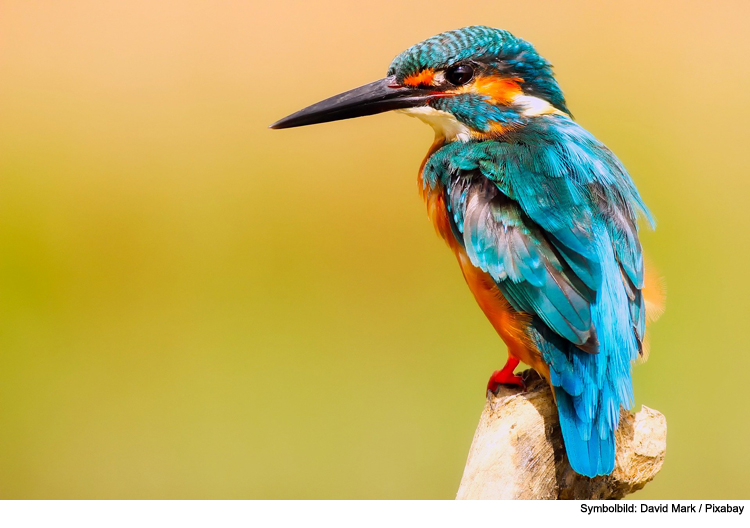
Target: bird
(541,216)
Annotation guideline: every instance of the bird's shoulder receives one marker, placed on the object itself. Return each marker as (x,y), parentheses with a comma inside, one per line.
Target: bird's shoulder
(562,177)
(535,209)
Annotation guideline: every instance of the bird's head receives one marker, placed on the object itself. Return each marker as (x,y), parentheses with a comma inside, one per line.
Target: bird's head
(476,82)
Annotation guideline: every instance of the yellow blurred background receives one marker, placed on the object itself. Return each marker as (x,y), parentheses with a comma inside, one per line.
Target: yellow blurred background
(194,306)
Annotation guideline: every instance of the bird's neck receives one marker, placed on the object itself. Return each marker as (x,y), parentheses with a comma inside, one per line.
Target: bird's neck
(492,123)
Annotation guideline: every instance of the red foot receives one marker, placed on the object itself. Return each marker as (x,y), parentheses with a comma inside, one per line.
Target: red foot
(505,376)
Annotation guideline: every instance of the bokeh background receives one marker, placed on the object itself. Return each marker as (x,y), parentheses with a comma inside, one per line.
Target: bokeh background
(194,306)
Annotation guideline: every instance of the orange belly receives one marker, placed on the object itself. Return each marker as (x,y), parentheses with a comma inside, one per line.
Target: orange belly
(510,324)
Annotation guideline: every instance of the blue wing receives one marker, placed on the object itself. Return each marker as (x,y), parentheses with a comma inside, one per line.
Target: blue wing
(550,213)
(524,261)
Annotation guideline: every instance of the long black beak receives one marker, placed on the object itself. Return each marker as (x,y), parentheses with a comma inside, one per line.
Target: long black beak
(374,98)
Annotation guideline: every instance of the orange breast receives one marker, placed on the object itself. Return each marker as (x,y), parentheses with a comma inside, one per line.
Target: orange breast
(510,324)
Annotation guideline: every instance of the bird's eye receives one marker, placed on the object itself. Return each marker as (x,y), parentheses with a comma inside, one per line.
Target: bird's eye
(458,75)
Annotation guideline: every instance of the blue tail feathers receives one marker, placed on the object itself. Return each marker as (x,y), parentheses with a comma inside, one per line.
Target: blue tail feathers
(590,388)
(591,453)
(588,404)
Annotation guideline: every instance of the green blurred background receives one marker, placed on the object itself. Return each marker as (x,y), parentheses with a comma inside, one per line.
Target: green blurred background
(194,306)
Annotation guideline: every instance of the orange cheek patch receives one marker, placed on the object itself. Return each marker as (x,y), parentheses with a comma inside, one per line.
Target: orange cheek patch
(422,78)
(501,89)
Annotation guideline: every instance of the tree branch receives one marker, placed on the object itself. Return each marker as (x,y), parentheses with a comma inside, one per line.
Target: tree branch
(518,452)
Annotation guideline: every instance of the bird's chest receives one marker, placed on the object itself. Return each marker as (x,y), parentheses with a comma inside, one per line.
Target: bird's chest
(510,324)
(437,211)
(434,198)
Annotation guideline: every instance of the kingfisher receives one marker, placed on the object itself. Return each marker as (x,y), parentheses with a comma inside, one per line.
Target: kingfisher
(541,216)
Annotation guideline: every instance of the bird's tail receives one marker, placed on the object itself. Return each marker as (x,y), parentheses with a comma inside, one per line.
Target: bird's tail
(590,444)
(590,389)
(589,412)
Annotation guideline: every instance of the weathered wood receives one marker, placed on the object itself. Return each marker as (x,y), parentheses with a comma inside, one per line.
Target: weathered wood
(518,452)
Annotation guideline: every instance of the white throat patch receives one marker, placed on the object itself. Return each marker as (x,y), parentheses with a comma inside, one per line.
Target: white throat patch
(444,123)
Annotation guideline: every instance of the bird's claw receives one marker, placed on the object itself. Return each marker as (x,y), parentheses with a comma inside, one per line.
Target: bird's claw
(504,377)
